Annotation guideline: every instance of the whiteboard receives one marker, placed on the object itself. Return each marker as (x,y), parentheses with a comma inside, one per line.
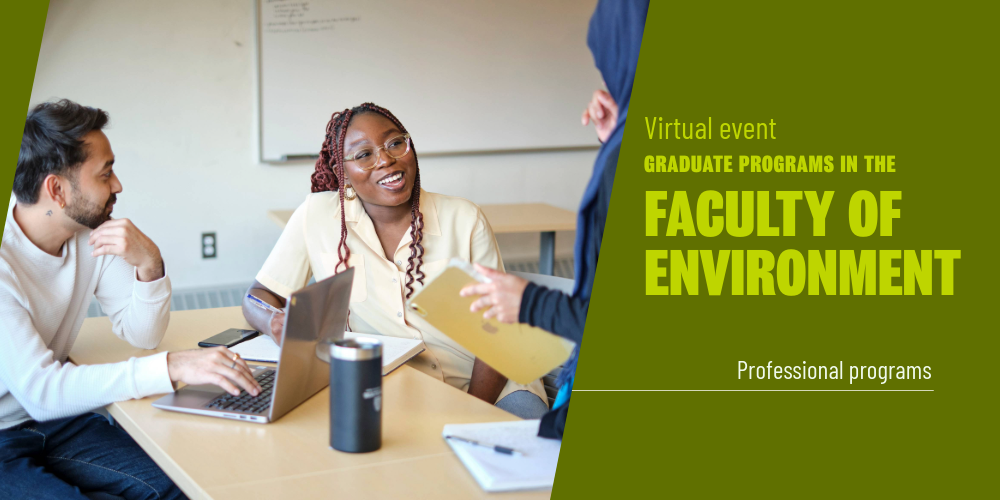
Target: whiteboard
(463,76)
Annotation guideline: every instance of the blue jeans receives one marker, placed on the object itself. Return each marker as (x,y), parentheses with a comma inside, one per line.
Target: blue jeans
(83,457)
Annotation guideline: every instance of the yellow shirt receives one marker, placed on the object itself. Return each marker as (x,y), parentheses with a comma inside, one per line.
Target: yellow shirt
(453,227)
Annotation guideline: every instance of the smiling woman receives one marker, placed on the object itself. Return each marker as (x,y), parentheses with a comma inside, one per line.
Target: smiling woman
(368,211)
(382,191)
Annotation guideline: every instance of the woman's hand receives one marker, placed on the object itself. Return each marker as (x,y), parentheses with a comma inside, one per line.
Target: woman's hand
(277,326)
(502,295)
(265,321)
(603,111)
(486,383)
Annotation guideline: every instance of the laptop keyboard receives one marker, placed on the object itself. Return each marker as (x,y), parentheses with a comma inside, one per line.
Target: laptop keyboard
(245,402)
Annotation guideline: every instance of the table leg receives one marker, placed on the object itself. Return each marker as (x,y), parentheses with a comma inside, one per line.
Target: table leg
(547,257)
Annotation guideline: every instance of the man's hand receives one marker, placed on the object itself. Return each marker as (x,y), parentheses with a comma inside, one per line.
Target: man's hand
(502,295)
(120,237)
(603,111)
(217,365)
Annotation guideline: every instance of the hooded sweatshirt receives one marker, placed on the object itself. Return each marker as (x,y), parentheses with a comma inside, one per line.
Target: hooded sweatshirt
(614,38)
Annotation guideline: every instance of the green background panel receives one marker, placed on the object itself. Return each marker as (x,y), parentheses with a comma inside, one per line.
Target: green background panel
(20,39)
(845,79)
(908,81)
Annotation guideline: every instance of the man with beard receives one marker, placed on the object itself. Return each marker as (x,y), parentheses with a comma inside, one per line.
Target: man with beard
(60,248)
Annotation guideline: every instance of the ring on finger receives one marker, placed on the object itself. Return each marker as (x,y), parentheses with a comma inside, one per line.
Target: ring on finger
(236,358)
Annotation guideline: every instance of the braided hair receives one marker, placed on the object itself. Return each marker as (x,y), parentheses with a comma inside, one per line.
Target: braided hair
(330,175)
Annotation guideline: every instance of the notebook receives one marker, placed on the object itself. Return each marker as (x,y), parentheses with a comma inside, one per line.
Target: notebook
(520,352)
(259,348)
(535,469)
(395,351)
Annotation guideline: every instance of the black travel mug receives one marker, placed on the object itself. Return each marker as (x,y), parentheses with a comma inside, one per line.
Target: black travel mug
(356,395)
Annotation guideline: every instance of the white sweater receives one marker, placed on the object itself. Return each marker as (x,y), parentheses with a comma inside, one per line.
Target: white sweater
(43,301)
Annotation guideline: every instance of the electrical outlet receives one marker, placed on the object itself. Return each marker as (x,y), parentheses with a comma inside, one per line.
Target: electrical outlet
(208,242)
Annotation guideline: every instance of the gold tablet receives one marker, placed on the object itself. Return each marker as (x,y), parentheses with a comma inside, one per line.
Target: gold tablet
(520,352)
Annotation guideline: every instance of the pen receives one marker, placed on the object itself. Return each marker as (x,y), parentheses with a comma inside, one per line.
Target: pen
(495,447)
(263,305)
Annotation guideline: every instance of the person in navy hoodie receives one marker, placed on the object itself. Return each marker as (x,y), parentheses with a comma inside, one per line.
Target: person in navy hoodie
(614,38)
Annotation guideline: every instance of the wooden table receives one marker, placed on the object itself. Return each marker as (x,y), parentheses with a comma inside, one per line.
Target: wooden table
(291,458)
(510,218)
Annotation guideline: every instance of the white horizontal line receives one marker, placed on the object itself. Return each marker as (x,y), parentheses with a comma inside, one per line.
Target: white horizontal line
(753,390)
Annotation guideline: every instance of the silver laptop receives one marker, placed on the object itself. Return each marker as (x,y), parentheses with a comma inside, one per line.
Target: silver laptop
(317,314)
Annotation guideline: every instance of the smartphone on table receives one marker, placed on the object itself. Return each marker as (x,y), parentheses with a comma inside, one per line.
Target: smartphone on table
(229,338)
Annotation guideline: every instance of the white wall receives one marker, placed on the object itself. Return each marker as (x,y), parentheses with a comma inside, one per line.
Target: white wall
(178,79)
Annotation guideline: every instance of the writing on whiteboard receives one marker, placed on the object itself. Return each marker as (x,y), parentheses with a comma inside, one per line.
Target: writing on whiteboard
(294,16)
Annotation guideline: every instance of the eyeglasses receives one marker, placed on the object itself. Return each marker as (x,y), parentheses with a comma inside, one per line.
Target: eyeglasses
(396,147)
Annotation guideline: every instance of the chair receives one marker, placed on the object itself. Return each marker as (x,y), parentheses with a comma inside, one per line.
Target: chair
(564,285)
